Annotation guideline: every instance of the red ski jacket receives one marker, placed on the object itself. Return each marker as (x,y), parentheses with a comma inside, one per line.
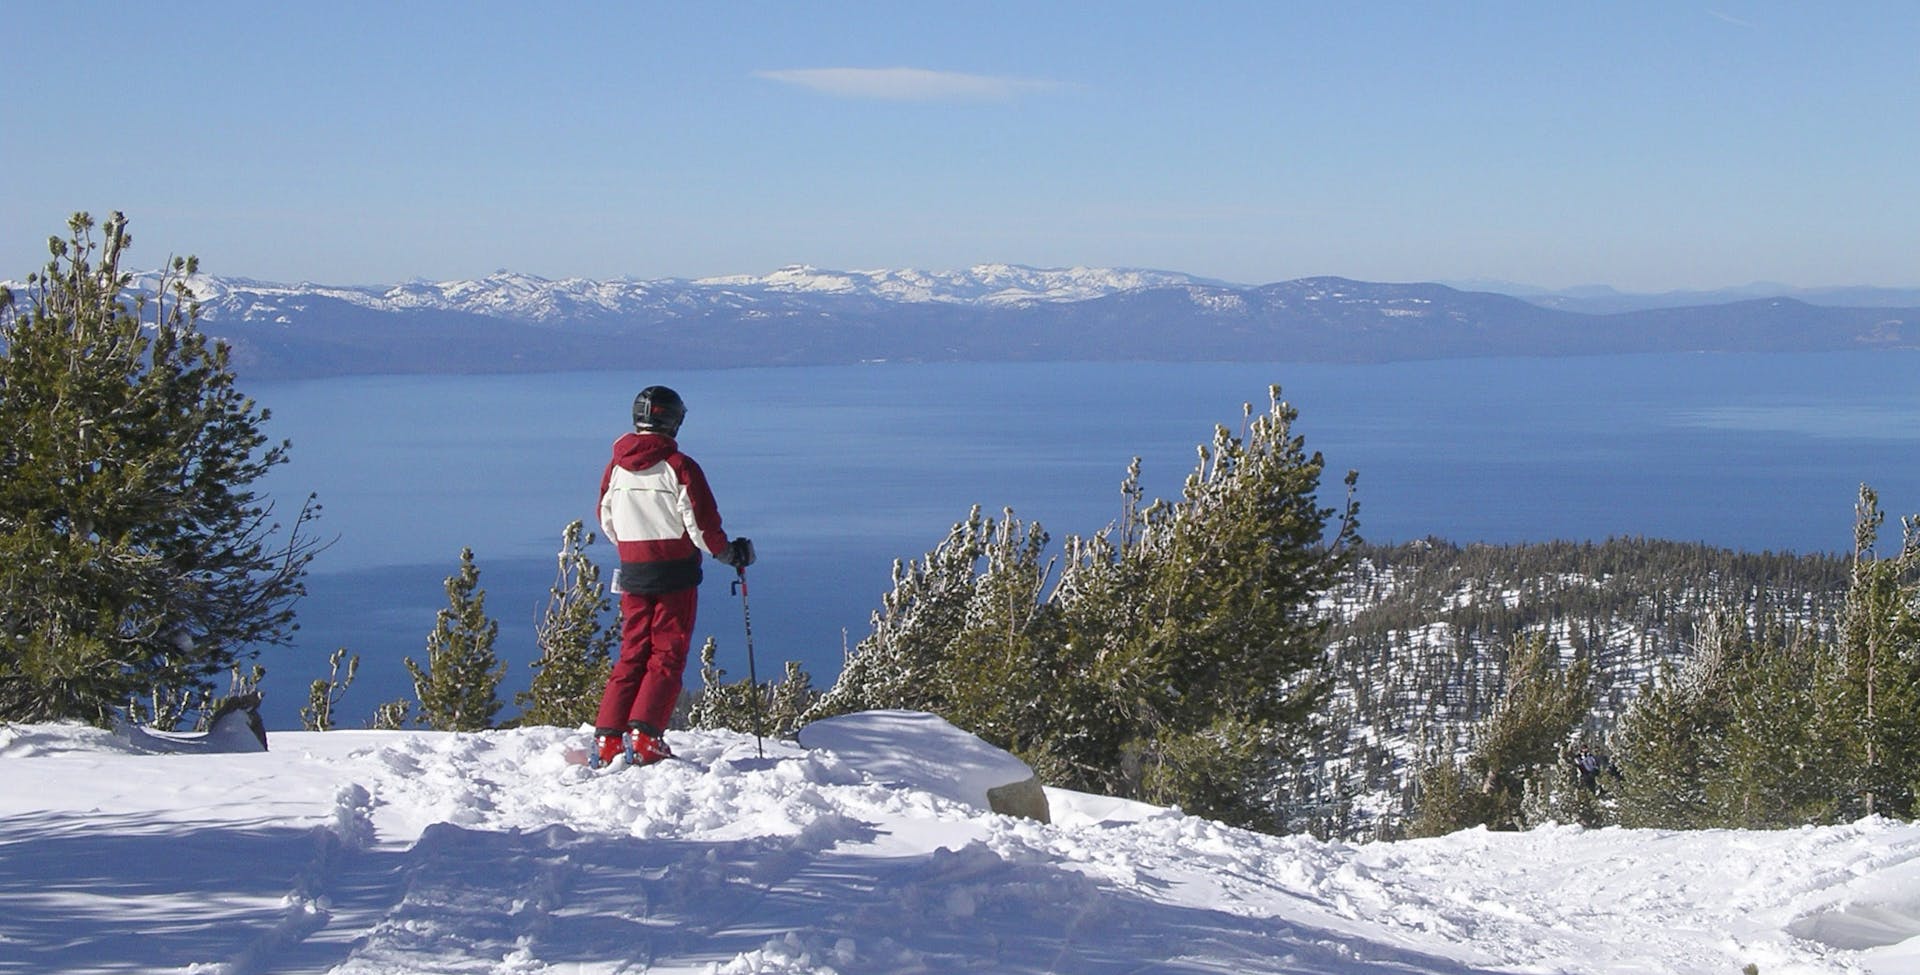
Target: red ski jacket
(656,508)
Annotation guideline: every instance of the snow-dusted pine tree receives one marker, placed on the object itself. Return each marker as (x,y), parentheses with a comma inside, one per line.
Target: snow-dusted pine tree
(990,676)
(1173,661)
(458,689)
(391,716)
(1522,739)
(323,696)
(898,664)
(1673,736)
(1789,755)
(1205,627)
(1879,664)
(1820,729)
(709,707)
(777,709)
(575,643)
(788,702)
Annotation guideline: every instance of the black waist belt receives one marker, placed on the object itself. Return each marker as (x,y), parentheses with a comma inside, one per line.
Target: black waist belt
(658,577)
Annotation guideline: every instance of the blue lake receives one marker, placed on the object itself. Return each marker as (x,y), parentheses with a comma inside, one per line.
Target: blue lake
(837,471)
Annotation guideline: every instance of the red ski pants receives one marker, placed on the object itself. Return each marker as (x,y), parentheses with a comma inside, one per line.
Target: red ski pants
(655,631)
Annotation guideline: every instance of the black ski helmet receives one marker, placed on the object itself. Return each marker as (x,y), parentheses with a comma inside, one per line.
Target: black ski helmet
(659,409)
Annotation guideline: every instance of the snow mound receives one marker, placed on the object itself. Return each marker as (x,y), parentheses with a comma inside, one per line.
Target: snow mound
(1879,909)
(42,740)
(1083,809)
(913,749)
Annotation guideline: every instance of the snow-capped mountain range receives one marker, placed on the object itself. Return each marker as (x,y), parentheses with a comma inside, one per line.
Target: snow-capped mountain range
(528,298)
(511,322)
(982,284)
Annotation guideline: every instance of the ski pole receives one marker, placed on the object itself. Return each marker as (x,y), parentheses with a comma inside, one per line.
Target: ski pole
(753,677)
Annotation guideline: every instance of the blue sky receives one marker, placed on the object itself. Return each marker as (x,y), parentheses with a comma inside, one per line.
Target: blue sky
(1650,146)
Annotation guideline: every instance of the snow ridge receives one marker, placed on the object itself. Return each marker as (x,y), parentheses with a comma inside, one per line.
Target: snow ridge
(982,284)
(528,298)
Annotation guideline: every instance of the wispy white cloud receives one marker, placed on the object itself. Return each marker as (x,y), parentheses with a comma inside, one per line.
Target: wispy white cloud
(1731,19)
(909,84)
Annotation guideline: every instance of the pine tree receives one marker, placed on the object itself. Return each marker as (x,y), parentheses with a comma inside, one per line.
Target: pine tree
(1519,743)
(1822,730)
(458,688)
(1671,742)
(897,665)
(1527,732)
(779,709)
(1224,771)
(1173,660)
(1447,800)
(1205,628)
(391,716)
(1083,741)
(708,710)
(323,697)
(1560,798)
(990,678)
(136,558)
(719,705)
(789,702)
(1879,664)
(1788,750)
(575,643)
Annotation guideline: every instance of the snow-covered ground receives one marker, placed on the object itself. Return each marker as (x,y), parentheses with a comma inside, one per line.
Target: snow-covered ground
(392,852)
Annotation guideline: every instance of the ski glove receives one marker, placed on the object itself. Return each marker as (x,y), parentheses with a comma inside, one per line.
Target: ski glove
(739,553)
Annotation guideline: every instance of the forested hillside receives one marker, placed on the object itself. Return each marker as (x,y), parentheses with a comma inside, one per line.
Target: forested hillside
(1422,632)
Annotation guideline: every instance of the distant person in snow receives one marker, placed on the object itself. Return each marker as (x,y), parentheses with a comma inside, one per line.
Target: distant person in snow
(656,508)
(1588,767)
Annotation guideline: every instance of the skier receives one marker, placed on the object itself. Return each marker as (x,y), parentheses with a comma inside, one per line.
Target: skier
(656,508)
(1588,766)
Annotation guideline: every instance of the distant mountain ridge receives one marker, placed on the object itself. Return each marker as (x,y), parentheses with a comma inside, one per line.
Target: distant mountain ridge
(528,298)
(1603,300)
(799,315)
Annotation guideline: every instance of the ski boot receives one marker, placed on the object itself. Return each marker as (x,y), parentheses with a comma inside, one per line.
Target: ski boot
(609,745)
(647,745)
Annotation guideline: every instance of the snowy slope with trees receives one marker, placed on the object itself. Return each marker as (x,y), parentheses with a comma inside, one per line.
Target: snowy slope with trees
(1419,646)
(391,852)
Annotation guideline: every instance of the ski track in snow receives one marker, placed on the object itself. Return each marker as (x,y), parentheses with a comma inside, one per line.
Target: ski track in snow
(384,853)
